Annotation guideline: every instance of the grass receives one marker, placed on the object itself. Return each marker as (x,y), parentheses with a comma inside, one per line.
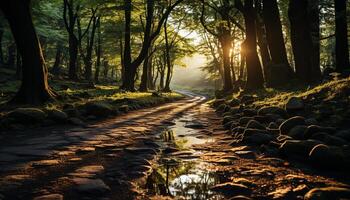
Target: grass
(323,92)
(78,93)
(327,91)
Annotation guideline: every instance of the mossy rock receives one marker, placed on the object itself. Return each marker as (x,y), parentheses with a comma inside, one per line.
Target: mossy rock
(58,115)
(328,193)
(98,109)
(27,115)
(124,108)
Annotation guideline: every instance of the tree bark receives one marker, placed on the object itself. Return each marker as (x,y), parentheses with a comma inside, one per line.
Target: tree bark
(168,59)
(132,66)
(98,49)
(341,45)
(2,30)
(301,40)
(225,42)
(145,74)
(58,57)
(72,38)
(274,33)
(261,35)
(314,13)
(255,78)
(34,87)
(11,55)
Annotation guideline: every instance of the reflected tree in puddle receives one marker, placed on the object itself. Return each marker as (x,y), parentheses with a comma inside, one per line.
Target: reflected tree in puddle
(182,178)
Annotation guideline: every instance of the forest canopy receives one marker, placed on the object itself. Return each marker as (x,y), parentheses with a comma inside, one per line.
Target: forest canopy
(248,44)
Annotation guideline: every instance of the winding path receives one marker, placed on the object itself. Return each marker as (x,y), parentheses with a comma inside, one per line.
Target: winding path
(175,150)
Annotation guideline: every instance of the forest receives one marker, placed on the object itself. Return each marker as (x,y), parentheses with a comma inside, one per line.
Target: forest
(174,99)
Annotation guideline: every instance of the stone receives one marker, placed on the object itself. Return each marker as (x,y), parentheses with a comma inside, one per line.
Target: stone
(298,148)
(234,111)
(288,124)
(257,136)
(227,119)
(273,125)
(282,193)
(218,102)
(294,104)
(312,129)
(124,108)
(58,115)
(262,119)
(98,109)
(244,120)
(311,121)
(297,132)
(195,125)
(45,163)
(85,150)
(240,197)
(329,139)
(49,197)
(231,189)
(91,169)
(91,186)
(272,110)
(223,108)
(76,121)
(253,124)
(27,115)
(249,112)
(328,193)
(245,154)
(234,102)
(247,99)
(344,134)
(328,157)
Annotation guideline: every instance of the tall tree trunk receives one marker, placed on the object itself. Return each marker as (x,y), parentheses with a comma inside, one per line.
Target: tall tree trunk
(34,87)
(262,41)
(279,72)
(73,57)
(98,49)
(225,42)
(341,45)
(314,13)
(58,57)
(122,70)
(150,73)
(168,59)
(89,50)
(145,73)
(301,39)
(148,38)
(11,55)
(18,66)
(129,71)
(274,33)
(68,5)
(2,31)
(255,78)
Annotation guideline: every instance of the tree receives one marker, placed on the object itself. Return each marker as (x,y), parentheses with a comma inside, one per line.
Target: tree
(223,33)
(34,87)
(276,45)
(69,22)
(341,45)
(255,79)
(301,40)
(130,65)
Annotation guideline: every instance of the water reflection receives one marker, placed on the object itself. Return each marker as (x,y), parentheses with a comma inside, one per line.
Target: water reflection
(179,177)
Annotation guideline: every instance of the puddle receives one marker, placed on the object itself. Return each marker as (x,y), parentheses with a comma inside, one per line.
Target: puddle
(180,173)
